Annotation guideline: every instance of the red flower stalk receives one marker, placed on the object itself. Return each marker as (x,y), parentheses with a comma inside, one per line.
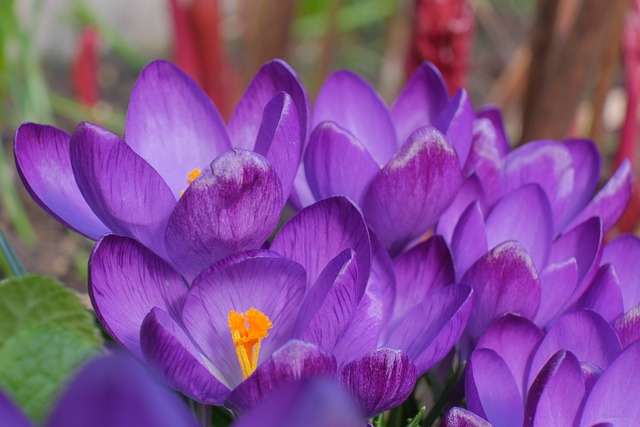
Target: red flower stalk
(84,68)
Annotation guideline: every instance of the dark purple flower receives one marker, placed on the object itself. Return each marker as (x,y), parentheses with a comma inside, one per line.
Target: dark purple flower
(182,183)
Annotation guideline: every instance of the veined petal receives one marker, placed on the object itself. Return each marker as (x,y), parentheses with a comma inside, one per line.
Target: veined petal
(173,124)
(124,191)
(233,205)
(410,193)
(44,164)
(456,122)
(459,417)
(126,280)
(485,161)
(627,326)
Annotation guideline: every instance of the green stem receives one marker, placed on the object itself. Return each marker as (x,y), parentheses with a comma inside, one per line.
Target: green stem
(438,407)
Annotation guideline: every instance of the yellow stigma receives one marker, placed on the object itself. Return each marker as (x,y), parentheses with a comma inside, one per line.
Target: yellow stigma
(247,330)
(190,177)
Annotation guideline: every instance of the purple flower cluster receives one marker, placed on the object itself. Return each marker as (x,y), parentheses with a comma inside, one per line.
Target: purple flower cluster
(419,232)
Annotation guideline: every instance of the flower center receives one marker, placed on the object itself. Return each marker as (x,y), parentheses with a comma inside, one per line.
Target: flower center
(247,330)
(191,176)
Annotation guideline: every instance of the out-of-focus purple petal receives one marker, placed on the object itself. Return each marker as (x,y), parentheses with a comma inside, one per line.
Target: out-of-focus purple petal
(609,400)
(272,285)
(348,100)
(555,397)
(124,191)
(470,191)
(411,192)
(604,295)
(469,240)
(318,233)
(126,280)
(456,122)
(582,332)
(337,163)
(44,164)
(489,125)
(485,161)
(458,417)
(627,326)
(623,253)
(233,205)
(431,329)
(167,347)
(491,390)
(423,269)
(514,339)
(173,124)
(524,216)
(557,283)
(611,200)
(273,77)
(423,97)
(10,413)
(294,361)
(115,390)
(279,139)
(379,381)
(504,280)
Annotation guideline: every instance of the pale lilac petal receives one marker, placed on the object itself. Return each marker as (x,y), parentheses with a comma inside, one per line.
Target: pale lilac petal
(584,333)
(295,361)
(555,397)
(318,233)
(432,328)
(10,413)
(524,216)
(456,123)
(382,280)
(514,339)
(611,399)
(504,280)
(272,285)
(491,390)
(623,253)
(337,163)
(459,417)
(470,191)
(489,125)
(611,200)
(627,326)
(234,205)
(124,191)
(273,77)
(469,240)
(604,295)
(379,381)
(173,124)
(126,281)
(411,192)
(44,164)
(423,97)
(348,100)
(557,283)
(168,348)
(423,269)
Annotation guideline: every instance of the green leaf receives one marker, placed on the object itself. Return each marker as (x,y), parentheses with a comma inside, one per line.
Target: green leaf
(9,261)
(36,363)
(33,300)
(415,421)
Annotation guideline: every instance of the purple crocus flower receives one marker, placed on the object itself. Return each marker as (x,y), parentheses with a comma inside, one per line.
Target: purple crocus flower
(110,391)
(401,165)
(181,182)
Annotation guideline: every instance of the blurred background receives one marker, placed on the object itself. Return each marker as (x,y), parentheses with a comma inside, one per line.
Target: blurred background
(557,68)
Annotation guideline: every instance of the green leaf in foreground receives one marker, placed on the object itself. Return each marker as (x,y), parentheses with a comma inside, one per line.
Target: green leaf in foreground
(37,362)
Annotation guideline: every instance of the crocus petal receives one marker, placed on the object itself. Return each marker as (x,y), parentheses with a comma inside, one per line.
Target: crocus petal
(524,216)
(623,253)
(167,347)
(10,414)
(611,200)
(514,339)
(173,124)
(126,280)
(423,97)
(233,205)
(491,389)
(279,139)
(469,240)
(272,285)
(557,283)
(627,326)
(296,360)
(489,125)
(604,295)
(273,77)
(421,270)
(382,280)
(609,398)
(318,233)
(348,100)
(584,333)
(470,191)
(459,417)
(432,328)
(485,161)
(456,122)
(410,193)
(556,395)
(115,390)
(44,165)
(504,280)
(124,191)
(337,163)
(379,381)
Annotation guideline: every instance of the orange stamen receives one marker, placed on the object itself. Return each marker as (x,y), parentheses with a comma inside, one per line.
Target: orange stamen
(247,330)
